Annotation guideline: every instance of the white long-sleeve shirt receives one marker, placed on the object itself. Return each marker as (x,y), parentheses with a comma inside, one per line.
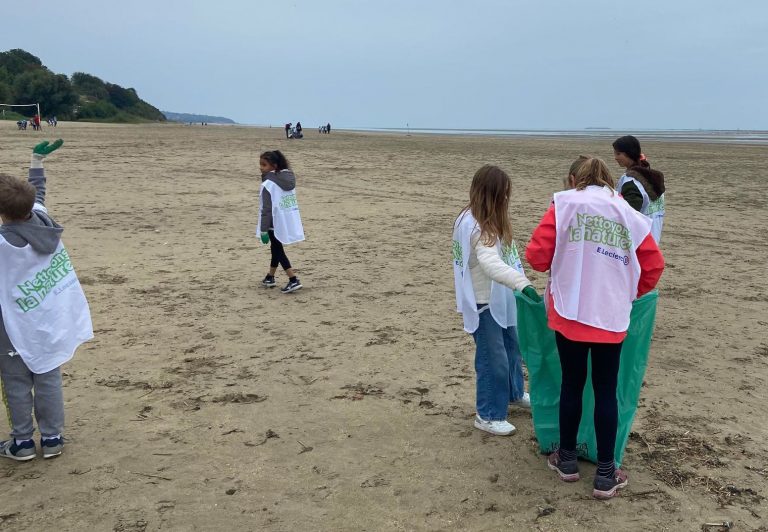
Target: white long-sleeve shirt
(485,265)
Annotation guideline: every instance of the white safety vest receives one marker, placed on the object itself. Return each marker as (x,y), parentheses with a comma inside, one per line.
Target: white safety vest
(285,214)
(502,300)
(595,271)
(653,209)
(45,312)
(656,211)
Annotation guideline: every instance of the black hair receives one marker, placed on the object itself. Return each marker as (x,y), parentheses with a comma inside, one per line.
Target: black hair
(629,146)
(653,177)
(276,158)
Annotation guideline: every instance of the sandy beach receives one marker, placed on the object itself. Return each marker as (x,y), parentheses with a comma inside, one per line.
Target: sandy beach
(207,402)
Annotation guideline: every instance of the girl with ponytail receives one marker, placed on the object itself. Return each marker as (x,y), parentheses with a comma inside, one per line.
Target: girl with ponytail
(279,218)
(642,186)
(601,256)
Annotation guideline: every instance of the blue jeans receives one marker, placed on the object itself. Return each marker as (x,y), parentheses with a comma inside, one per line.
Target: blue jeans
(499,368)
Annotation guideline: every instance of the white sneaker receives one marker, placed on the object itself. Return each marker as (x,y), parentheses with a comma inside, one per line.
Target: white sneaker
(523,402)
(498,428)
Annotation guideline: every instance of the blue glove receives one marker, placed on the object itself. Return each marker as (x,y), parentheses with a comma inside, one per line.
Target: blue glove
(530,291)
(265,238)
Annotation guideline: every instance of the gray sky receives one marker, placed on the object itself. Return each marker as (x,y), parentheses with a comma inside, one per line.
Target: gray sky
(430,63)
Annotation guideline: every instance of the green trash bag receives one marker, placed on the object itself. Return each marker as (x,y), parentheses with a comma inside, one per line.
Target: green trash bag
(537,345)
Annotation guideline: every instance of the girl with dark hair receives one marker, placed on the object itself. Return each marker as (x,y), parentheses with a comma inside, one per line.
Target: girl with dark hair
(640,185)
(486,267)
(279,219)
(601,256)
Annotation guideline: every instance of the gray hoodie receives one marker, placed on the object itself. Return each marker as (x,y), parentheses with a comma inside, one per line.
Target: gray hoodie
(287,181)
(39,231)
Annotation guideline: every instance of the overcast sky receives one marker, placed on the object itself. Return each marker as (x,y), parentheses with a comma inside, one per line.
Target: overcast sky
(677,64)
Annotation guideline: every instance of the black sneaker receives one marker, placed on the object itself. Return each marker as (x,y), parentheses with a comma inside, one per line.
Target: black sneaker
(269,281)
(51,447)
(292,286)
(605,487)
(568,471)
(24,451)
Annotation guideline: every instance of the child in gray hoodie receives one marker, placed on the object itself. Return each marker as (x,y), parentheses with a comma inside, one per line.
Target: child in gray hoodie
(43,311)
(279,218)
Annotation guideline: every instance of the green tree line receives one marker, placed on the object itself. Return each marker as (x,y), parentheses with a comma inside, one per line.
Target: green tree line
(24,79)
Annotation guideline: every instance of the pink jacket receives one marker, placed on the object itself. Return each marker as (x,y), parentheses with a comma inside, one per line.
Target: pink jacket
(539,254)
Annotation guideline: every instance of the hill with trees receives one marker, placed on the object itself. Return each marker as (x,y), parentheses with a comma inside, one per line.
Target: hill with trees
(193,118)
(24,79)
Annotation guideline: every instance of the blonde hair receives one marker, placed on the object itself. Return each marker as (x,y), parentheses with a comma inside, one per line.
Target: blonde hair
(489,204)
(593,171)
(575,165)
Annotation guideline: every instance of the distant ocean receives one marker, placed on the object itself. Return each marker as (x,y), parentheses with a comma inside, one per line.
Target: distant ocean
(677,135)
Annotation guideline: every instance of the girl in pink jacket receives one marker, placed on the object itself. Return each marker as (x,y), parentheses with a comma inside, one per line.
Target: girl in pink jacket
(601,256)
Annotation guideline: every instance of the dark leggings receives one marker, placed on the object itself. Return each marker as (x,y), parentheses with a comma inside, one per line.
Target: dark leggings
(278,252)
(605,372)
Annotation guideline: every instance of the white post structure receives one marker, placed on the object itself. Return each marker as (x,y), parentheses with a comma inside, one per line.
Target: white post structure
(22,105)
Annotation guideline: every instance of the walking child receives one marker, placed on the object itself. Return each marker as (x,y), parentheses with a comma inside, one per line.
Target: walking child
(279,218)
(45,315)
(601,256)
(487,267)
(640,185)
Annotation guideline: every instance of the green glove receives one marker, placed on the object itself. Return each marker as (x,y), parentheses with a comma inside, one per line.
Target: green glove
(530,291)
(265,238)
(46,148)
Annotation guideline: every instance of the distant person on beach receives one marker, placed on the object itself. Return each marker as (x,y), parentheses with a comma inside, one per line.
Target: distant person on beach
(640,185)
(595,275)
(279,218)
(328,127)
(288,130)
(45,315)
(298,127)
(486,270)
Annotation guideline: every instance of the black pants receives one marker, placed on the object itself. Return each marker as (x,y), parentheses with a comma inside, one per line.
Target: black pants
(605,372)
(278,252)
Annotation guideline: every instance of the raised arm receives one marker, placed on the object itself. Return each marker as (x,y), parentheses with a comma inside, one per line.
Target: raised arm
(36,170)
